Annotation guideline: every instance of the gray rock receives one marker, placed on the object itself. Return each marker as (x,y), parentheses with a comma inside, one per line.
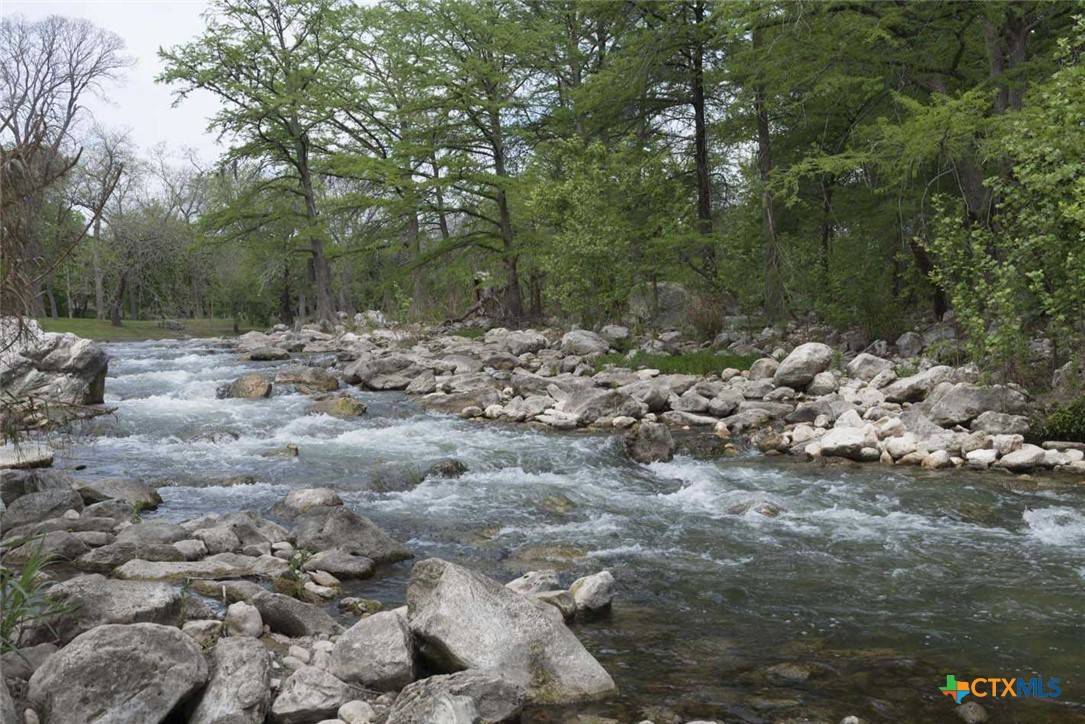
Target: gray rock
(614,333)
(964,402)
(297,502)
(223,565)
(239,690)
(108,557)
(94,600)
(523,342)
(35,507)
(138,495)
(909,344)
(824,383)
(998,423)
(118,673)
(323,528)
(495,699)
(219,539)
(292,617)
(307,380)
(55,367)
(650,442)
(843,442)
(534,582)
(583,343)
(593,594)
(357,712)
(15,484)
(916,387)
(243,619)
(763,369)
(21,663)
(341,406)
(453,403)
(206,632)
(465,620)
(589,404)
(309,695)
(268,354)
(247,387)
(1025,458)
(8,714)
(57,545)
(866,366)
(798,368)
(152,532)
(377,653)
(340,563)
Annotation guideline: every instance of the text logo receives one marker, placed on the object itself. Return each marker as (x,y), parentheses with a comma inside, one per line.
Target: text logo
(999,687)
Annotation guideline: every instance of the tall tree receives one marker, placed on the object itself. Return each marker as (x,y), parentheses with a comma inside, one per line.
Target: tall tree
(267,60)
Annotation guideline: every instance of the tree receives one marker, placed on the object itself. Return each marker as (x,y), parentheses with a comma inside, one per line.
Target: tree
(47,68)
(267,60)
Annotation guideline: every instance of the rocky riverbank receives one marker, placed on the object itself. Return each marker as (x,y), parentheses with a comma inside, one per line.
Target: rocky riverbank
(225,618)
(813,402)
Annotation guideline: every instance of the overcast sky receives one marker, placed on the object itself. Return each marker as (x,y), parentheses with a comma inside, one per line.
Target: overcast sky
(140,104)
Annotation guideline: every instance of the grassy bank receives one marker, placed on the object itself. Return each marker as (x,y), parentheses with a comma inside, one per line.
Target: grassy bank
(701,362)
(100,329)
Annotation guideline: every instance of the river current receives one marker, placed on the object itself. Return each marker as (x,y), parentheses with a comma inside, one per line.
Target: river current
(859,597)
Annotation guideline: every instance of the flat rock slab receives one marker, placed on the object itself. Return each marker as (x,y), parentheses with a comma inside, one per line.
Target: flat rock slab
(25,457)
(223,565)
(95,600)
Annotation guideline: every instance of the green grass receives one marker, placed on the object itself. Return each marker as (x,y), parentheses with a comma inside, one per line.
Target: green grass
(100,329)
(470,333)
(701,362)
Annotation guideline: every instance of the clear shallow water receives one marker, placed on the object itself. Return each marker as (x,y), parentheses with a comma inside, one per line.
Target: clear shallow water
(876,582)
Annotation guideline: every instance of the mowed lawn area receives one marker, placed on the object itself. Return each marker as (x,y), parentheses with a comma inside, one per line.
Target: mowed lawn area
(100,329)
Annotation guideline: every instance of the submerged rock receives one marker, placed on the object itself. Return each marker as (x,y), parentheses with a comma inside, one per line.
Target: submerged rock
(650,442)
(465,620)
(323,528)
(247,387)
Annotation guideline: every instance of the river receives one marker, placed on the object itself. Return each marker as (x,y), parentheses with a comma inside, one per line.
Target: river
(873,583)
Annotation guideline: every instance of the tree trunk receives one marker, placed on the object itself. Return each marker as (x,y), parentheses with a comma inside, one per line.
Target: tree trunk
(775,303)
(99,273)
(117,301)
(325,302)
(700,151)
(286,308)
(52,297)
(514,303)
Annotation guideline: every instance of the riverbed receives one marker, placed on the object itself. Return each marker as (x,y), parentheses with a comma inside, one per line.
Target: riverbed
(858,597)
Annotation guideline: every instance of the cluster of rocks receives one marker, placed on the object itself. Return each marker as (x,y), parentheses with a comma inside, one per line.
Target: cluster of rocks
(225,618)
(812,402)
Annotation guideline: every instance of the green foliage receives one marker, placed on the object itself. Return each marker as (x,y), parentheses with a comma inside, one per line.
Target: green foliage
(701,362)
(1026,270)
(1065,423)
(23,601)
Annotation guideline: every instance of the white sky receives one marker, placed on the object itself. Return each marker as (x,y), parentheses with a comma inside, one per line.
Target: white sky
(140,104)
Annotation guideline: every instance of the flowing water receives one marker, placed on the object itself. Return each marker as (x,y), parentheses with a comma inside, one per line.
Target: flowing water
(872,583)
